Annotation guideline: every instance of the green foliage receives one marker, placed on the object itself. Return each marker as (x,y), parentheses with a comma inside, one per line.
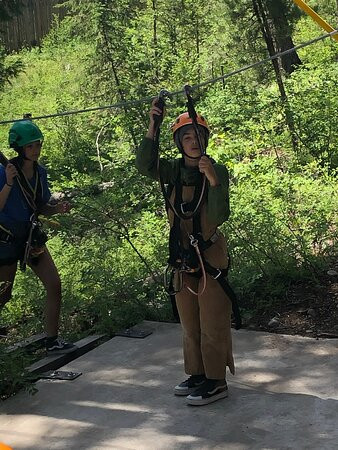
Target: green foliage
(314,101)
(282,229)
(8,71)
(112,248)
(13,373)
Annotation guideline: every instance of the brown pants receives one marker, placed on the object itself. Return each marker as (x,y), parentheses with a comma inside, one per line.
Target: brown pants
(206,323)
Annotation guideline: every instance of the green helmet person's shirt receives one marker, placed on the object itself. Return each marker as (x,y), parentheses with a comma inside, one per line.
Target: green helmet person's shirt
(16,208)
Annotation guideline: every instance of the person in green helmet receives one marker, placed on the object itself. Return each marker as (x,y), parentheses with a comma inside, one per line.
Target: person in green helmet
(197,202)
(24,194)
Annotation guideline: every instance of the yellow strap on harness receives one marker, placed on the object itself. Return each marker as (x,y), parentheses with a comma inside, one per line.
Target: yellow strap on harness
(316,17)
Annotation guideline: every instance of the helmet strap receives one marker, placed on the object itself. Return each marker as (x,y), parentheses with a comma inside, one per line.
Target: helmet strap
(190,157)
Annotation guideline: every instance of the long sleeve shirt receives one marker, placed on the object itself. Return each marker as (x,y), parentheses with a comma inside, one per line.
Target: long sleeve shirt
(217,204)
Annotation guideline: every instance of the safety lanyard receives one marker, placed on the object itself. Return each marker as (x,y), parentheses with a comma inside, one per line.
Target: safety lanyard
(158,120)
(28,191)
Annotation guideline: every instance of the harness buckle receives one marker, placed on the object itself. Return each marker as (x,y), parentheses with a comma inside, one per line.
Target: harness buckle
(218,275)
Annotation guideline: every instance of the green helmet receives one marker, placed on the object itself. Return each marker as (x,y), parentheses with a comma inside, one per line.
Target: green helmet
(24,132)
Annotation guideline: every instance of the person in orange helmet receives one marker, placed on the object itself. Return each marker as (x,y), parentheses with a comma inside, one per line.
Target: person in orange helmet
(198,202)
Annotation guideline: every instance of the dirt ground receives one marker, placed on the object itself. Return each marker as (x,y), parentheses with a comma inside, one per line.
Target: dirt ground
(309,310)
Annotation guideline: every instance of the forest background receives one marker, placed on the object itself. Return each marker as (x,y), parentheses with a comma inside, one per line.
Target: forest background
(274,127)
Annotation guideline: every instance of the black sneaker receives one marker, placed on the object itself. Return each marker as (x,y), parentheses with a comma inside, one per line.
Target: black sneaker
(189,385)
(210,391)
(58,346)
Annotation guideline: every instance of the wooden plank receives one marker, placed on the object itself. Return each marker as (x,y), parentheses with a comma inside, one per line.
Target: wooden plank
(32,25)
(36,341)
(54,362)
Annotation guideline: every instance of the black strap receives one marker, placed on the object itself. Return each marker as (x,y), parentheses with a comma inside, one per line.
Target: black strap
(175,235)
(193,116)
(176,247)
(221,277)
(174,306)
(233,297)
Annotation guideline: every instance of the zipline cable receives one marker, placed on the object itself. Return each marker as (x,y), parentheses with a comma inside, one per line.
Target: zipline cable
(263,61)
(130,103)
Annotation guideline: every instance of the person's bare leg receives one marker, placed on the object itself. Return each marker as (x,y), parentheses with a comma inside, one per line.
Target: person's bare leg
(49,276)
(7,276)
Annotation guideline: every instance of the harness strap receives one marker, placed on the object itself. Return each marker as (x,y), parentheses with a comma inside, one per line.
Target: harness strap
(232,296)
(221,276)
(176,247)
(33,197)
(204,245)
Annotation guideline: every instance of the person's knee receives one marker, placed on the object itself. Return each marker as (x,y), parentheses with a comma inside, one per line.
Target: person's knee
(54,286)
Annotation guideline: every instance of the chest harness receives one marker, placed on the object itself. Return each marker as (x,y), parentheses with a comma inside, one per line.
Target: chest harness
(190,260)
(36,238)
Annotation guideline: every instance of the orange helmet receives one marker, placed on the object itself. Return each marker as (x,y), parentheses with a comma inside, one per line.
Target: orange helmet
(184,119)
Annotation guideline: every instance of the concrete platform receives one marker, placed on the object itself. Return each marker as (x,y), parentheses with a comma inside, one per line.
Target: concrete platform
(284,396)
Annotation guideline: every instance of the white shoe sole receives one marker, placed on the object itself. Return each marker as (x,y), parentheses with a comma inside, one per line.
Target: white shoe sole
(199,401)
(184,392)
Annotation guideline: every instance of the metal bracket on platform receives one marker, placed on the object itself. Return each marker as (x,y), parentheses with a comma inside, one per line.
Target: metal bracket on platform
(129,332)
(59,375)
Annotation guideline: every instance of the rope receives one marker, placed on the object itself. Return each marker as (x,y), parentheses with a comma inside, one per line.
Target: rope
(130,103)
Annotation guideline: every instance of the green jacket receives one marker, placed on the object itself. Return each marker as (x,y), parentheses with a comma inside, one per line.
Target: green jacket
(218,209)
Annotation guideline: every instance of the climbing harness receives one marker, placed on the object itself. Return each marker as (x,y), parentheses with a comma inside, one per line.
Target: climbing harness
(180,210)
(36,237)
(189,260)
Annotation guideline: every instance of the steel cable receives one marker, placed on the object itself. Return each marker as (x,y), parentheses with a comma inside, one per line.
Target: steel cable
(130,103)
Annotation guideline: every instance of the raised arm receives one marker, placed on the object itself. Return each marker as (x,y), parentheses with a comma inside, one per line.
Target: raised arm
(147,154)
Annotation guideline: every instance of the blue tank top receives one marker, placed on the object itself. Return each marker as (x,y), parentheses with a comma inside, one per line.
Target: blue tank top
(16,208)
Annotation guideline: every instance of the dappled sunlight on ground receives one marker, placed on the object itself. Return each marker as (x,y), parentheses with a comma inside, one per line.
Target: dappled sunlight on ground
(283,396)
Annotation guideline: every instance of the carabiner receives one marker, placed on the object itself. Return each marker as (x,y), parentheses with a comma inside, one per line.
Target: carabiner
(193,241)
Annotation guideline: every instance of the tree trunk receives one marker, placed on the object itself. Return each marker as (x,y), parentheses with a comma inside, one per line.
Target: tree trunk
(198,49)
(291,61)
(155,39)
(261,15)
(282,34)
